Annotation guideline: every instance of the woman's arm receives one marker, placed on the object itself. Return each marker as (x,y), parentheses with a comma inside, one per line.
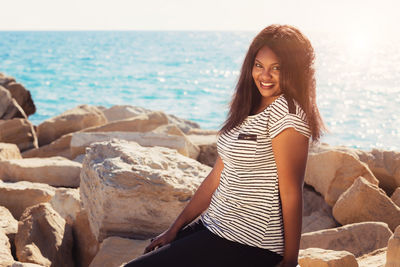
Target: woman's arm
(198,203)
(290,150)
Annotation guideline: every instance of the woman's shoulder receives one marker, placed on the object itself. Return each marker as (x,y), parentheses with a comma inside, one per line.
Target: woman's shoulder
(284,113)
(283,106)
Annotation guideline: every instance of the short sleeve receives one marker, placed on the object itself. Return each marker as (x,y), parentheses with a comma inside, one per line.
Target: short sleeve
(289,121)
(280,118)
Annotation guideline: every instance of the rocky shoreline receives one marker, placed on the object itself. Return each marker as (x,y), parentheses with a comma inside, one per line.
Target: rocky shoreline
(90,186)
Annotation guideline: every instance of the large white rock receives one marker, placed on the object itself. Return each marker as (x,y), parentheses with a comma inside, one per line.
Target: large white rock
(16,197)
(8,223)
(363,202)
(393,249)
(115,251)
(25,264)
(316,257)
(6,258)
(385,165)
(72,120)
(67,203)
(376,258)
(44,238)
(350,237)
(332,172)
(183,124)
(80,141)
(141,123)
(55,171)
(59,147)
(134,191)
(123,112)
(9,151)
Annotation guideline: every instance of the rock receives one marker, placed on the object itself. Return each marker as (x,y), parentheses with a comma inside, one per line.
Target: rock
(396,196)
(376,258)
(207,144)
(316,221)
(72,120)
(333,172)
(6,258)
(115,251)
(364,201)
(9,151)
(172,129)
(351,238)
(16,197)
(60,147)
(385,165)
(55,171)
(393,249)
(9,107)
(198,131)
(317,215)
(66,202)
(22,96)
(8,224)
(314,201)
(25,264)
(86,245)
(44,238)
(19,132)
(5,79)
(183,124)
(141,123)
(316,257)
(81,140)
(134,191)
(122,112)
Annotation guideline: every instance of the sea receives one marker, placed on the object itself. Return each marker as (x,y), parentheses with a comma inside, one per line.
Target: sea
(192,74)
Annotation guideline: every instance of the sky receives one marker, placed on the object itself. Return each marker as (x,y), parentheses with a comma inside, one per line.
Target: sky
(244,15)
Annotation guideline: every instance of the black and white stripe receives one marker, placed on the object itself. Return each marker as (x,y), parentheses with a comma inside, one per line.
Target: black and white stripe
(246,206)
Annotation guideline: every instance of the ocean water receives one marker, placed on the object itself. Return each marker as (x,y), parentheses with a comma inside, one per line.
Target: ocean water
(193,74)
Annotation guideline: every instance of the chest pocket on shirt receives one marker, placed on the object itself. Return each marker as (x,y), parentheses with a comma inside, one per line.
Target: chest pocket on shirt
(245,147)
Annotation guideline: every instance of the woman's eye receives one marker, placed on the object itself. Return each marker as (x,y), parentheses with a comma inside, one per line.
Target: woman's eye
(258,65)
(276,68)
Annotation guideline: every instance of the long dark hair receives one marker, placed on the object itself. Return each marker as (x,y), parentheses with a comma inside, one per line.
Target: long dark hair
(297,79)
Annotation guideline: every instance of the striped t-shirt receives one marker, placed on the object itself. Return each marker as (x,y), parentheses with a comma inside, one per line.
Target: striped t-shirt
(246,206)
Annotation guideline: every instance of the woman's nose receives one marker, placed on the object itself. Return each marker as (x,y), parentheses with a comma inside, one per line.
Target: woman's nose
(266,74)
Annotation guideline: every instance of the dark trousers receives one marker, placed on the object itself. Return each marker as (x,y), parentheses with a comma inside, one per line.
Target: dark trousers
(196,246)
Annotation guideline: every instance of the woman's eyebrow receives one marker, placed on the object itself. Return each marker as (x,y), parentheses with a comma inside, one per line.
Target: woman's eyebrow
(275,63)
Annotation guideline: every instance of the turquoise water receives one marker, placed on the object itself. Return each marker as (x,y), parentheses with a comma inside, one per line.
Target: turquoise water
(192,75)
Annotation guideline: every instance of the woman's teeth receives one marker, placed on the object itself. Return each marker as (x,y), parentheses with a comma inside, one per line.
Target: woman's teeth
(267,84)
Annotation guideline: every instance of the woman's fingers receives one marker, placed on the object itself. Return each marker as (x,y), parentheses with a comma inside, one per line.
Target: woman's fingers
(154,243)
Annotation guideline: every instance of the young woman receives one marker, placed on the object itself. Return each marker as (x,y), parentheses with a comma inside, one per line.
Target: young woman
(250,205)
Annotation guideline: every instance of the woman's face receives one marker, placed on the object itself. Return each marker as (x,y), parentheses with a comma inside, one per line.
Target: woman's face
(265,73)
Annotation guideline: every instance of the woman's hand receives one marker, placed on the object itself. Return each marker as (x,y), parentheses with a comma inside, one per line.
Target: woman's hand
(162,239)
